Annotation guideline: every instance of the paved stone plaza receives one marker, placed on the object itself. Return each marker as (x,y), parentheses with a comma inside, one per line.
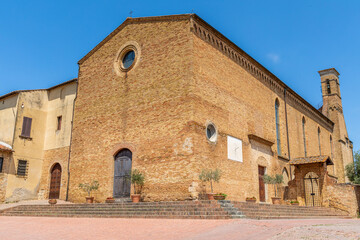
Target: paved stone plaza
(14,228)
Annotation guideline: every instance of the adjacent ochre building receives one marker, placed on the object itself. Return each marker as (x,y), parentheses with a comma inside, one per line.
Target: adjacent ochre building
(171,96)
(35,132)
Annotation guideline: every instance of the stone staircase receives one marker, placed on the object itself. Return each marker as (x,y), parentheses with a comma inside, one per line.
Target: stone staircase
(228,206)
(269,211)
(179,210)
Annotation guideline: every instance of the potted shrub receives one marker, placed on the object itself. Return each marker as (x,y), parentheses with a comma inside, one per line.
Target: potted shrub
(220,196)
(294,202)
(278,179)
(110,200)
(137,180)
(210,176)
(88,188)
(251,199)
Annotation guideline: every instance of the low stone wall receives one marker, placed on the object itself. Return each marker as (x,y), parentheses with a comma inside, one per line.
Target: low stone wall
(342,196)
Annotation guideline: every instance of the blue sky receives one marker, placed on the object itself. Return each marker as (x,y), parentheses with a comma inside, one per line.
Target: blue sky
(41,41)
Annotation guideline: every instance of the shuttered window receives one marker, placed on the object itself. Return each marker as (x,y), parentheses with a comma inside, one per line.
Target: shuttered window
(26,128)
(1,163)
(21,169)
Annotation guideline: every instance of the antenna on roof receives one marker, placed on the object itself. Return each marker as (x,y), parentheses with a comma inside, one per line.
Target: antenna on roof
(130,13)
(192,11)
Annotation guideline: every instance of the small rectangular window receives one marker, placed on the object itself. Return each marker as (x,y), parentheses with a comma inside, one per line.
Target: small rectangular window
(1,163)
(21,169)
(59,119)
(26,127)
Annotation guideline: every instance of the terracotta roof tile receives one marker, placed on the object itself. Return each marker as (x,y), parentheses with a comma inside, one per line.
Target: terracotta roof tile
(5,149)
(311,159)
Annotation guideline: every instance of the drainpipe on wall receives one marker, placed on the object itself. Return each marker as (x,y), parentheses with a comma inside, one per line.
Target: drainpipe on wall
(16,120)
(72,123)
(287,131)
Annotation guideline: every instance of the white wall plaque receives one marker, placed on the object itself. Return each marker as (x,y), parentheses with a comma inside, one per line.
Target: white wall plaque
(234,149)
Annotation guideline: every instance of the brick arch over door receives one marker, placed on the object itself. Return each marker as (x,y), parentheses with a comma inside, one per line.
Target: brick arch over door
(55,181)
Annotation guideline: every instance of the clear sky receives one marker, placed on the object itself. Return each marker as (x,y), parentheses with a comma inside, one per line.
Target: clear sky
(41,41)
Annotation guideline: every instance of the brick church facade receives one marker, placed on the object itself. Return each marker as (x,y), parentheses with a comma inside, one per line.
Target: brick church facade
(171,96)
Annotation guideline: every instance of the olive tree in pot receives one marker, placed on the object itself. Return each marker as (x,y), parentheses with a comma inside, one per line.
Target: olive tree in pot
(88,188)
(210,176)
(137,180)
(278,179)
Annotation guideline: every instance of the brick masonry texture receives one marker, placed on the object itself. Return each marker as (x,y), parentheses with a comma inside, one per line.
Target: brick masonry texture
(159,110)
(146,111)
(53,156)
(186,75)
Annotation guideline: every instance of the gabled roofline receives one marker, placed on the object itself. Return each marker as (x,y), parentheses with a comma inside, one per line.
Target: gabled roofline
(130,20)
(44,89)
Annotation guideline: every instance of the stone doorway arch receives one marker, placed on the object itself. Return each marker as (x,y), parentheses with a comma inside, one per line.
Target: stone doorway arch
(55,182)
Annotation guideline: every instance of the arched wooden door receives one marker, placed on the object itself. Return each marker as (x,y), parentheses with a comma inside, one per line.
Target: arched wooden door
(55,182)
(122,170)
(312,190)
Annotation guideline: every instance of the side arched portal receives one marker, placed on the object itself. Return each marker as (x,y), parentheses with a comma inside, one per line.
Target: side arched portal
(122,170)
(55,182)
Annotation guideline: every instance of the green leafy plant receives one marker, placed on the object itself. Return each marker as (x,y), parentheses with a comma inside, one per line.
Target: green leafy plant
(353,169)
(294,201)
(137,180)
(221,194)
(278,179)
(211,176)
(86,187)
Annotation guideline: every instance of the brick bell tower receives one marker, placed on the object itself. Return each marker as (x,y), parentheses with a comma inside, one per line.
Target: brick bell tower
(341,146)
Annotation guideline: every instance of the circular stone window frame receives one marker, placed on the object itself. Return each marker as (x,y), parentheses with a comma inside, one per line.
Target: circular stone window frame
(124,49)
(213,139)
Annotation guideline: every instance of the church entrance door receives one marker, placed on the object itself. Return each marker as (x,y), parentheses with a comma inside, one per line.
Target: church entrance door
(122,170)
(55,182)
(261,184)
(312,191)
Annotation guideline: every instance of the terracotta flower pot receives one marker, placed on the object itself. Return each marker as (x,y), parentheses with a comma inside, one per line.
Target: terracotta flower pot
(89,199)
(52,201)
(276,200)
(219,197)
(110,200)
(251,200)
(295,204)
(135,198)
(210,196)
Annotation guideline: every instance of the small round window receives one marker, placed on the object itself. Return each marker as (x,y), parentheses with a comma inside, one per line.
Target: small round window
(128,59)
(211,133)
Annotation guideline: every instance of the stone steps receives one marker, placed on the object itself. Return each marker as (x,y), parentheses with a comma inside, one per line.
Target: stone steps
(181,210)
(268,211)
